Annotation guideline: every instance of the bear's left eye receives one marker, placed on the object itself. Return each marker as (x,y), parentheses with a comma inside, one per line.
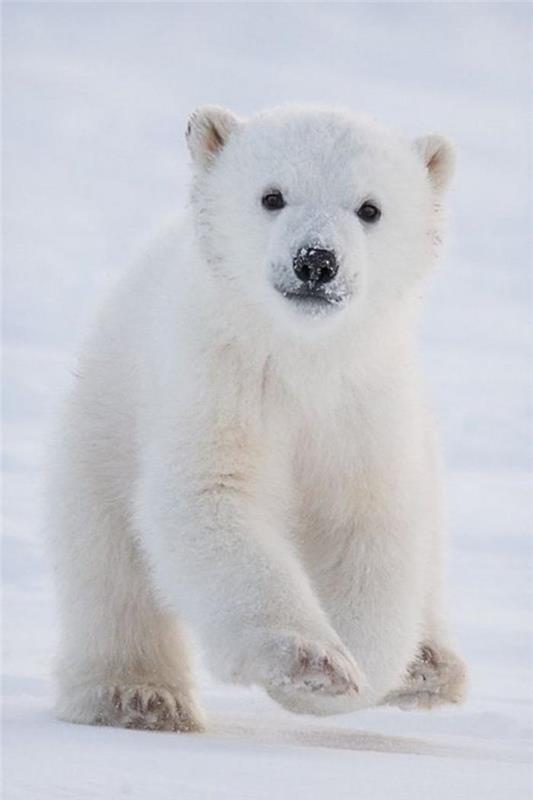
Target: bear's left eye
(273,200)
(369,212)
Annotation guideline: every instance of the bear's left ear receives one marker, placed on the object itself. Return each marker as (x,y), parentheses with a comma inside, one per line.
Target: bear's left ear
(438,155)
(208,130)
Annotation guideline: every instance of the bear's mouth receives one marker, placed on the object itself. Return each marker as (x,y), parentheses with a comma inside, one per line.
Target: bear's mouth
(312,300)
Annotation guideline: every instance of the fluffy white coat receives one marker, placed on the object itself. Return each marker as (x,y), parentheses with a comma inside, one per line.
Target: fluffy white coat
(257,468)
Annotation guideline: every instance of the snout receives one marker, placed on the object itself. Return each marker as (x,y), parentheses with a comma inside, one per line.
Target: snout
(315,285)
(315,266)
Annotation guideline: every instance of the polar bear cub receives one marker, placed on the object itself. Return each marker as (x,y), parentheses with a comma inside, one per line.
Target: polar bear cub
(247,452)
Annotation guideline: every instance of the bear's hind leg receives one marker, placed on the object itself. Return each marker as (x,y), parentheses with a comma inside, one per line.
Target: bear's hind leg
(437,676)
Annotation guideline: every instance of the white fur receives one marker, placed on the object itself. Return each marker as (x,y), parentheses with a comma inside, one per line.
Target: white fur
(262,474)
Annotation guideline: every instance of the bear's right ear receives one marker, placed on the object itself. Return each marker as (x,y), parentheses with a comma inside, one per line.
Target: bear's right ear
(208,130)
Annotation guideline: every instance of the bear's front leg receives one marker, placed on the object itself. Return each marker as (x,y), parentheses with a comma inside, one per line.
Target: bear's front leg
(219,559)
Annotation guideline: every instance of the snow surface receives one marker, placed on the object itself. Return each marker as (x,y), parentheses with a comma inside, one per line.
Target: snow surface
(96,98)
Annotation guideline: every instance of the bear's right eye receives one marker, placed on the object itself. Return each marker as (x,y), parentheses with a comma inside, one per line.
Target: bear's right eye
(273,201)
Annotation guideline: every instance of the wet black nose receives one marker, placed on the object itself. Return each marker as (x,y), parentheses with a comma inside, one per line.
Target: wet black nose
(314,265)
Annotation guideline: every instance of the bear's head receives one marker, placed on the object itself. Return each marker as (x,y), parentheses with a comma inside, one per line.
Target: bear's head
(315,215)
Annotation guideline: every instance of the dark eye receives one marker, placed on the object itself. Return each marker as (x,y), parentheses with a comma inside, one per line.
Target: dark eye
(369,212)
(273,200)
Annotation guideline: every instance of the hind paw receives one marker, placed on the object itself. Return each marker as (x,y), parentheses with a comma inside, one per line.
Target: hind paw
(437,676)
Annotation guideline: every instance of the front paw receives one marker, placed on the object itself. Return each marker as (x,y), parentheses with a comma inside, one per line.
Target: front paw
(143,706)
(312,666)
(286,663)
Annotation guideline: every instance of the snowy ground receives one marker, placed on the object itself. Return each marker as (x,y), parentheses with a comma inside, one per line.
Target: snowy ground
(95,102)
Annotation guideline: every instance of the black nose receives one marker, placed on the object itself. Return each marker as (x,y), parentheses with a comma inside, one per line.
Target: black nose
(314,265)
